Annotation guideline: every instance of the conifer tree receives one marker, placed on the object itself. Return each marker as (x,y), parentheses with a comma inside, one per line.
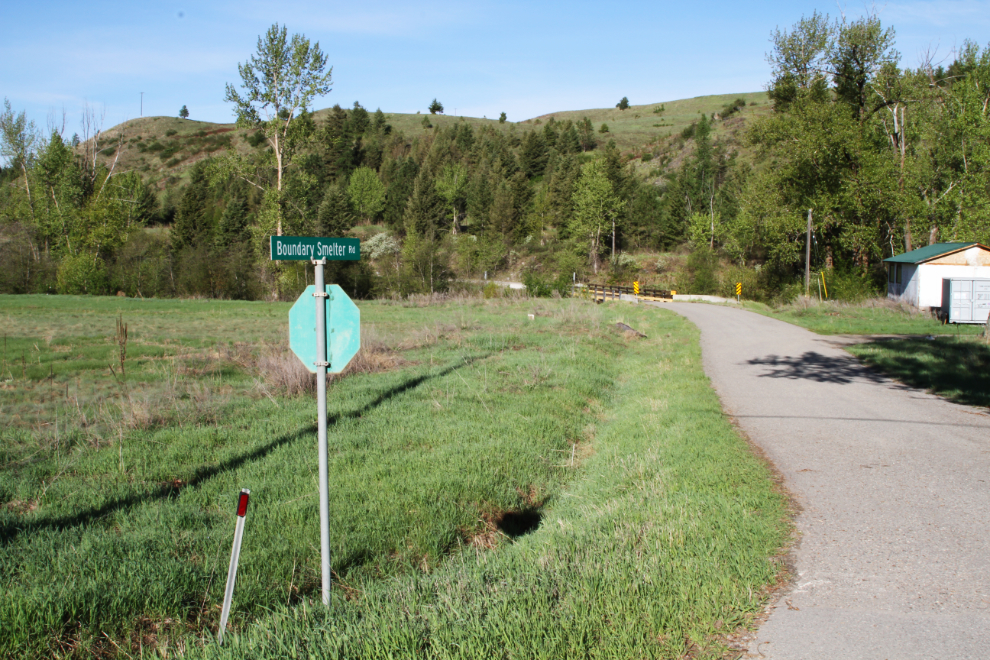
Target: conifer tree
(335,216)
(586,132)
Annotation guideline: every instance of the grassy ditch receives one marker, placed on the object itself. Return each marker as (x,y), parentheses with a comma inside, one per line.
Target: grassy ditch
(500,485)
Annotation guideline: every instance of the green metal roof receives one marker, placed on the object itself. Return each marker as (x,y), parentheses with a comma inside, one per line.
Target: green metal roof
(928,253)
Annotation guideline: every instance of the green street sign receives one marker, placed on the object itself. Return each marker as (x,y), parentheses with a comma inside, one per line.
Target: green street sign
(304,248)
(343,329)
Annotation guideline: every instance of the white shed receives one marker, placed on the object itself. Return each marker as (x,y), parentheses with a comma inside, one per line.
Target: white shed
(916,277)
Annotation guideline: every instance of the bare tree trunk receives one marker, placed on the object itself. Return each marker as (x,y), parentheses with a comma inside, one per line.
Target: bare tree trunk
(711,208)
(27,187)
(278,185)
(907,220)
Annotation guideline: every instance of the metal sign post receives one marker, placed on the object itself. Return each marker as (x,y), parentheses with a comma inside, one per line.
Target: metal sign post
(321,404)
(318,342)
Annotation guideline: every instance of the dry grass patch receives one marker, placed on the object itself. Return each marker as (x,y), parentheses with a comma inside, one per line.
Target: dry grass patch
(280,371)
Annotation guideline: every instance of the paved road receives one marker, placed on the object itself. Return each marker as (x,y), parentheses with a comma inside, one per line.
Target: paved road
(894,484)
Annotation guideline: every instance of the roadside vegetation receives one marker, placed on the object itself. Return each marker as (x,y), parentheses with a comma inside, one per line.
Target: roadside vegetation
(500,485)
(872,316)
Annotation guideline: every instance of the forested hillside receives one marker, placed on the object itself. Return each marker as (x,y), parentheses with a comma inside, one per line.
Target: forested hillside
(691,195)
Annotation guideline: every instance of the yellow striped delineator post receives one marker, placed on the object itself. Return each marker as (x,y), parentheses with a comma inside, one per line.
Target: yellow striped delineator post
(636,288)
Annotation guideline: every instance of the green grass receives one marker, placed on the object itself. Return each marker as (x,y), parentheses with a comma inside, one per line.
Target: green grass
(957,368)
(461,524)
(876,316)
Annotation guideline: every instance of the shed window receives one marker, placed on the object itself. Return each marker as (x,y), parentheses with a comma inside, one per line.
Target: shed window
(894,274)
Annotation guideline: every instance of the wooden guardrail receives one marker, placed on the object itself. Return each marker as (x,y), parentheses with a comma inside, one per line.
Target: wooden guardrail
(602,292)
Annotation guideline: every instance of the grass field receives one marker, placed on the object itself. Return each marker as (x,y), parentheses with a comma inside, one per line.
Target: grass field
(499,485)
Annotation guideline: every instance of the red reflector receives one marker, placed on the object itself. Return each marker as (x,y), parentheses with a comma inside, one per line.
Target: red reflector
(242,503)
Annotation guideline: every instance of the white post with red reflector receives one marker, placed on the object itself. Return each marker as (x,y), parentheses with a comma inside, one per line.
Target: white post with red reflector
(235,555)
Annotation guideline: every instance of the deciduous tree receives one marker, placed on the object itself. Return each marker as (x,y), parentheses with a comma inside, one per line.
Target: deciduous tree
(596,207)
(366,192)
(278,82)
(18,141)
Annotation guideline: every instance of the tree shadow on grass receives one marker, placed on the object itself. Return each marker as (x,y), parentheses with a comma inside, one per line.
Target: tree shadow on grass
(817,367)
(958,369)
(204,473)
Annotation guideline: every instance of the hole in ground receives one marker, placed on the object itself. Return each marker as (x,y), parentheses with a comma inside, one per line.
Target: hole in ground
(519,523)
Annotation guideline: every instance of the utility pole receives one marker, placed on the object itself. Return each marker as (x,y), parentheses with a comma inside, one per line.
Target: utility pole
(807,259)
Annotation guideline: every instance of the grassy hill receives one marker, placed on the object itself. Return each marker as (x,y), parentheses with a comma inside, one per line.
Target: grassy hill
(163,149)
(639,125)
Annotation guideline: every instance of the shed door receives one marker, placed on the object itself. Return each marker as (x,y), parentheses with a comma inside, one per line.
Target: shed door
(962,300)
(981,300)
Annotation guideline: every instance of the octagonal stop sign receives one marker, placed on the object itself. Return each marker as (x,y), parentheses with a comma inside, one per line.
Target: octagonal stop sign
(343,329)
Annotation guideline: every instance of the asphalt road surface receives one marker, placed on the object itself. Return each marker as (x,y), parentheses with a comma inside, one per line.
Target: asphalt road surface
(893,556)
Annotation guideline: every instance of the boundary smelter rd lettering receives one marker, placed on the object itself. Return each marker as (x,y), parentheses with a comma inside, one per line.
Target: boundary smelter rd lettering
(304,248)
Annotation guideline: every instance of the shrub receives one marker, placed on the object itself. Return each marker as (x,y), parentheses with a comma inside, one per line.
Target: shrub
(702,271)
(647,157)
(536,285)
(491,290)
(604,128)
(169,151)
(82,274)
(382,245)
(170,132)
(731,108)
(255,139)
(688,131)
(849,285)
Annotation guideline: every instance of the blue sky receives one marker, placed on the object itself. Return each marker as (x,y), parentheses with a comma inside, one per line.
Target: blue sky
(478,58)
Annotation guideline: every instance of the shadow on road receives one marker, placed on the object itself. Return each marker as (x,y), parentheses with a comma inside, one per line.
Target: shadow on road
(817,367)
